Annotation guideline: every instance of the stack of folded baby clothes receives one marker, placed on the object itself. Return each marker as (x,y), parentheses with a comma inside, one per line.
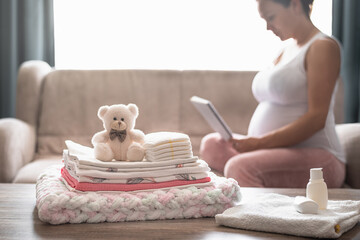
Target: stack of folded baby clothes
(169,183)
(85,173)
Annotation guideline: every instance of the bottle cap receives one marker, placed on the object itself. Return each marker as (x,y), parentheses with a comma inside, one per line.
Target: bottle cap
(316,173)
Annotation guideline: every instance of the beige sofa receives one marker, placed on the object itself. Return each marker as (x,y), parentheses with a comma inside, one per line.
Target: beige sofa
(55,105)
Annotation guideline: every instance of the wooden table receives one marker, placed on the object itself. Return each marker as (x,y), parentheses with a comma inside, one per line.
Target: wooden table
(19,220)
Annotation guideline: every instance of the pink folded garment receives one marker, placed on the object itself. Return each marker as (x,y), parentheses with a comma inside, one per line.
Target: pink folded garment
(85,186)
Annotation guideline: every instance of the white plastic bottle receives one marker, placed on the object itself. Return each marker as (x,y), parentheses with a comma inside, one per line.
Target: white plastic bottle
(316,189)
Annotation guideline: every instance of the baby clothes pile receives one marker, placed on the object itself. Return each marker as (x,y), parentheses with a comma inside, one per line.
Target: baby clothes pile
(169,163)
(169,183)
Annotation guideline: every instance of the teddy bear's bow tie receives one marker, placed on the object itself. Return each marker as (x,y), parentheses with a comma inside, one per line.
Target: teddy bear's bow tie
(119,134)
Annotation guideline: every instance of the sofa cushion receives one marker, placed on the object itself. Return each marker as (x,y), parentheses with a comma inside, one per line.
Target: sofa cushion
(72,98)
(30,172)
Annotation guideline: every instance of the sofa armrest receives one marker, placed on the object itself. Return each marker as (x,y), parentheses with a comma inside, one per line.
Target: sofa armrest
(30,79)
(349,136)
(17,147)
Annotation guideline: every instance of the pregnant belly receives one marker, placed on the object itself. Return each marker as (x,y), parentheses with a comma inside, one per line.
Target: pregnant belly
(269,116)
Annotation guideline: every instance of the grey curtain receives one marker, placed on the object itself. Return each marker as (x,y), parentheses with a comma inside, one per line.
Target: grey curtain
(27,33)
(346,27)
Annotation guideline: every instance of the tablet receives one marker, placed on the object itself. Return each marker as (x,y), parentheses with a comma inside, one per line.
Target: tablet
(208,111)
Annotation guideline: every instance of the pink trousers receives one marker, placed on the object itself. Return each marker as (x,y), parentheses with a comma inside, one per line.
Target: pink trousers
(277,167)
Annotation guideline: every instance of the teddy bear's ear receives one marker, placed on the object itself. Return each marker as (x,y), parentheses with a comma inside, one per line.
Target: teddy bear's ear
(102,111)
(133,109)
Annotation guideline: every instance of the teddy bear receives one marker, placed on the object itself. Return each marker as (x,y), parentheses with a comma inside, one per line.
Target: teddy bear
(119,140)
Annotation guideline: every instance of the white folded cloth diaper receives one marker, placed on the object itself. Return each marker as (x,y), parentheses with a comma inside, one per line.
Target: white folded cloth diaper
(275,213)
(164,146)
(80,167)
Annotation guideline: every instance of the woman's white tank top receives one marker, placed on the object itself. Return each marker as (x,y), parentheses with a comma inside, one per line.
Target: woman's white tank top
(282,95)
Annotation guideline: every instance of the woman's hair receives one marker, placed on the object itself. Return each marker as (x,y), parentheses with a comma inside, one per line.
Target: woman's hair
(306,4)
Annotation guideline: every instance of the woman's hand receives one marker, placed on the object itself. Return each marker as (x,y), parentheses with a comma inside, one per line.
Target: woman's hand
(247,144)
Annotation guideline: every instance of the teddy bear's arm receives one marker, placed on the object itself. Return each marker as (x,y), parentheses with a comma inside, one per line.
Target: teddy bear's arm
(137,136)
(100,137)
